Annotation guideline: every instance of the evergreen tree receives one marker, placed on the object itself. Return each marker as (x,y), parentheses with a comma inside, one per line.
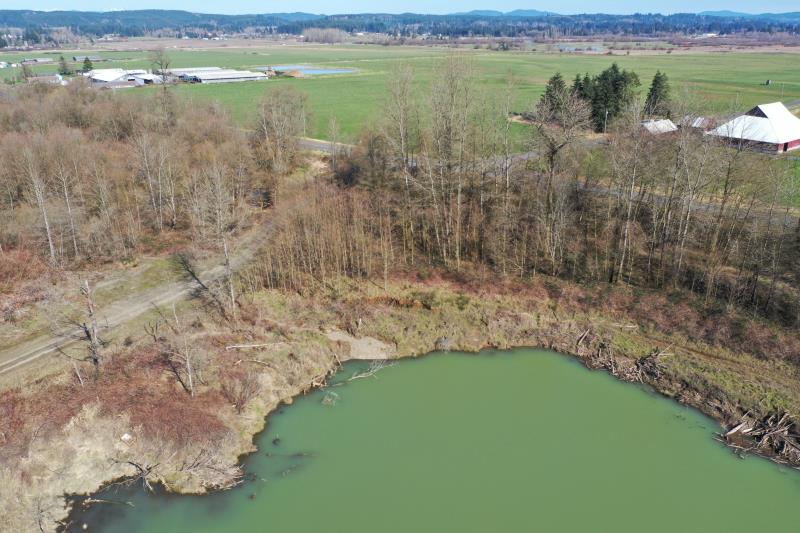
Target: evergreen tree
(657,102)
(609,93)
(582,87)
(63,68)
(554,92)
(577,85)
(3,42)
(31,36)
(87,64)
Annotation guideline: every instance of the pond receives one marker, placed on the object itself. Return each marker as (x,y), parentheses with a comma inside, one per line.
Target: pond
(522,440)
(313,71)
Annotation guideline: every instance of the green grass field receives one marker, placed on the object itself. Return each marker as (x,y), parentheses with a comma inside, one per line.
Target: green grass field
(719,82)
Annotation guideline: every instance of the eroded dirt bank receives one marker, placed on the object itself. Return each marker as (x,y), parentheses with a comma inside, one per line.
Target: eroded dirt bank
(138,422)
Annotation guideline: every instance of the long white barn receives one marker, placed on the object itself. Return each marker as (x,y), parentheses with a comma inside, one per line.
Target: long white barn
(224,76)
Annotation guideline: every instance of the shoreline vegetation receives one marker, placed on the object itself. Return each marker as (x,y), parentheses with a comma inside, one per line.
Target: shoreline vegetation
(667,260)
(431,316)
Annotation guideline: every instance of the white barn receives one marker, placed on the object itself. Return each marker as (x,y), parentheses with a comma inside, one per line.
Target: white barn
(770,127)
(224,76)
(113,75)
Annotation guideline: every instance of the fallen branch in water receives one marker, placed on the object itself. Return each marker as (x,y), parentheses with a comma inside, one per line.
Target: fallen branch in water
(97,500)
(374,368)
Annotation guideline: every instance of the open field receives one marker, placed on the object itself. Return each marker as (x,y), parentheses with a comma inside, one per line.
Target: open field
(721,82)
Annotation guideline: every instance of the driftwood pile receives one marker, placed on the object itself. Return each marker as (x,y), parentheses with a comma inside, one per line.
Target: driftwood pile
(775,436)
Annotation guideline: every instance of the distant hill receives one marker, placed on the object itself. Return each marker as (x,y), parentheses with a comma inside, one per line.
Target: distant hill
(782,17)
(515,13)
(143,18)
(529,13)
(723,13)
(480,13)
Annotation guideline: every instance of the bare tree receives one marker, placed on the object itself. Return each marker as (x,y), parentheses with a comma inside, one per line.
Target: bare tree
(91,330)
(559,122)
(161,62)
(281,120)
(38,188)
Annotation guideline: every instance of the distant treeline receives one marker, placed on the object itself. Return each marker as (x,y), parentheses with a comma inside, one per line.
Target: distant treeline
(134,23)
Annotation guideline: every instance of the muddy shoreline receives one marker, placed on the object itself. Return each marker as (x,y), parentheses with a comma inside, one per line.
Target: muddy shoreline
(306,338)
(641,370)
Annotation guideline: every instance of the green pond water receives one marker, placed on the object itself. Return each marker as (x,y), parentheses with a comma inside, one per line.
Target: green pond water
(524,440)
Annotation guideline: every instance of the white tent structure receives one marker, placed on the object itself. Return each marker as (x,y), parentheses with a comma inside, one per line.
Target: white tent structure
(770,127)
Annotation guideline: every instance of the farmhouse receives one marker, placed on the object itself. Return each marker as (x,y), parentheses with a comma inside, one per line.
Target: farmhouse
(769,127)
(224,76)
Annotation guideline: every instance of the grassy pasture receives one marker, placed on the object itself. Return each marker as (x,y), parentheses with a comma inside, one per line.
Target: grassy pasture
(719,82)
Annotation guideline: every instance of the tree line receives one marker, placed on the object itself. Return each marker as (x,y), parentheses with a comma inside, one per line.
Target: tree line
(87,177)
(436,184)
(41,26)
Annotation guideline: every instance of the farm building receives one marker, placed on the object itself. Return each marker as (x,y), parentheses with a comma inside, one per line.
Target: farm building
(54,79)
(147,79)
(700,123)
(770,127)
(224,76)
(659,126)
(93,59)
(113,75)
(191,70)
(183,73)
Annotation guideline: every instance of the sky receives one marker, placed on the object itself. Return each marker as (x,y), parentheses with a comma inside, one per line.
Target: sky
(416,6)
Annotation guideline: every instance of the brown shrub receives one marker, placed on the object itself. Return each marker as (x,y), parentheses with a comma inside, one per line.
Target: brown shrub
(18,266)
(239,387)
(136,385)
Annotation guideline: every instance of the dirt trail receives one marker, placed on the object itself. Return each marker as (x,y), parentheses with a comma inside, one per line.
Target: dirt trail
(121,311)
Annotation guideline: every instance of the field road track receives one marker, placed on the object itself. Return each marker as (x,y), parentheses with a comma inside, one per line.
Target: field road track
(124,310)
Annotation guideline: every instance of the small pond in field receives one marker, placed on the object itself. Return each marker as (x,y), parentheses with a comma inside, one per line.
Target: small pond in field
(502,441)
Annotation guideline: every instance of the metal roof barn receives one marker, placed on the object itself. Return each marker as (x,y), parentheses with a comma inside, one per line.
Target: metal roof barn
(110,75)
(767,126)
(226,76)
(658,126)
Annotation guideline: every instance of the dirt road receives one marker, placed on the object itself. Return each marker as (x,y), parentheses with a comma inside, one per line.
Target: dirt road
(126,309)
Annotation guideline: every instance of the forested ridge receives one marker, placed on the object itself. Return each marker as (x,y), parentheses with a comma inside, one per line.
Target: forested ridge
(520,24)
